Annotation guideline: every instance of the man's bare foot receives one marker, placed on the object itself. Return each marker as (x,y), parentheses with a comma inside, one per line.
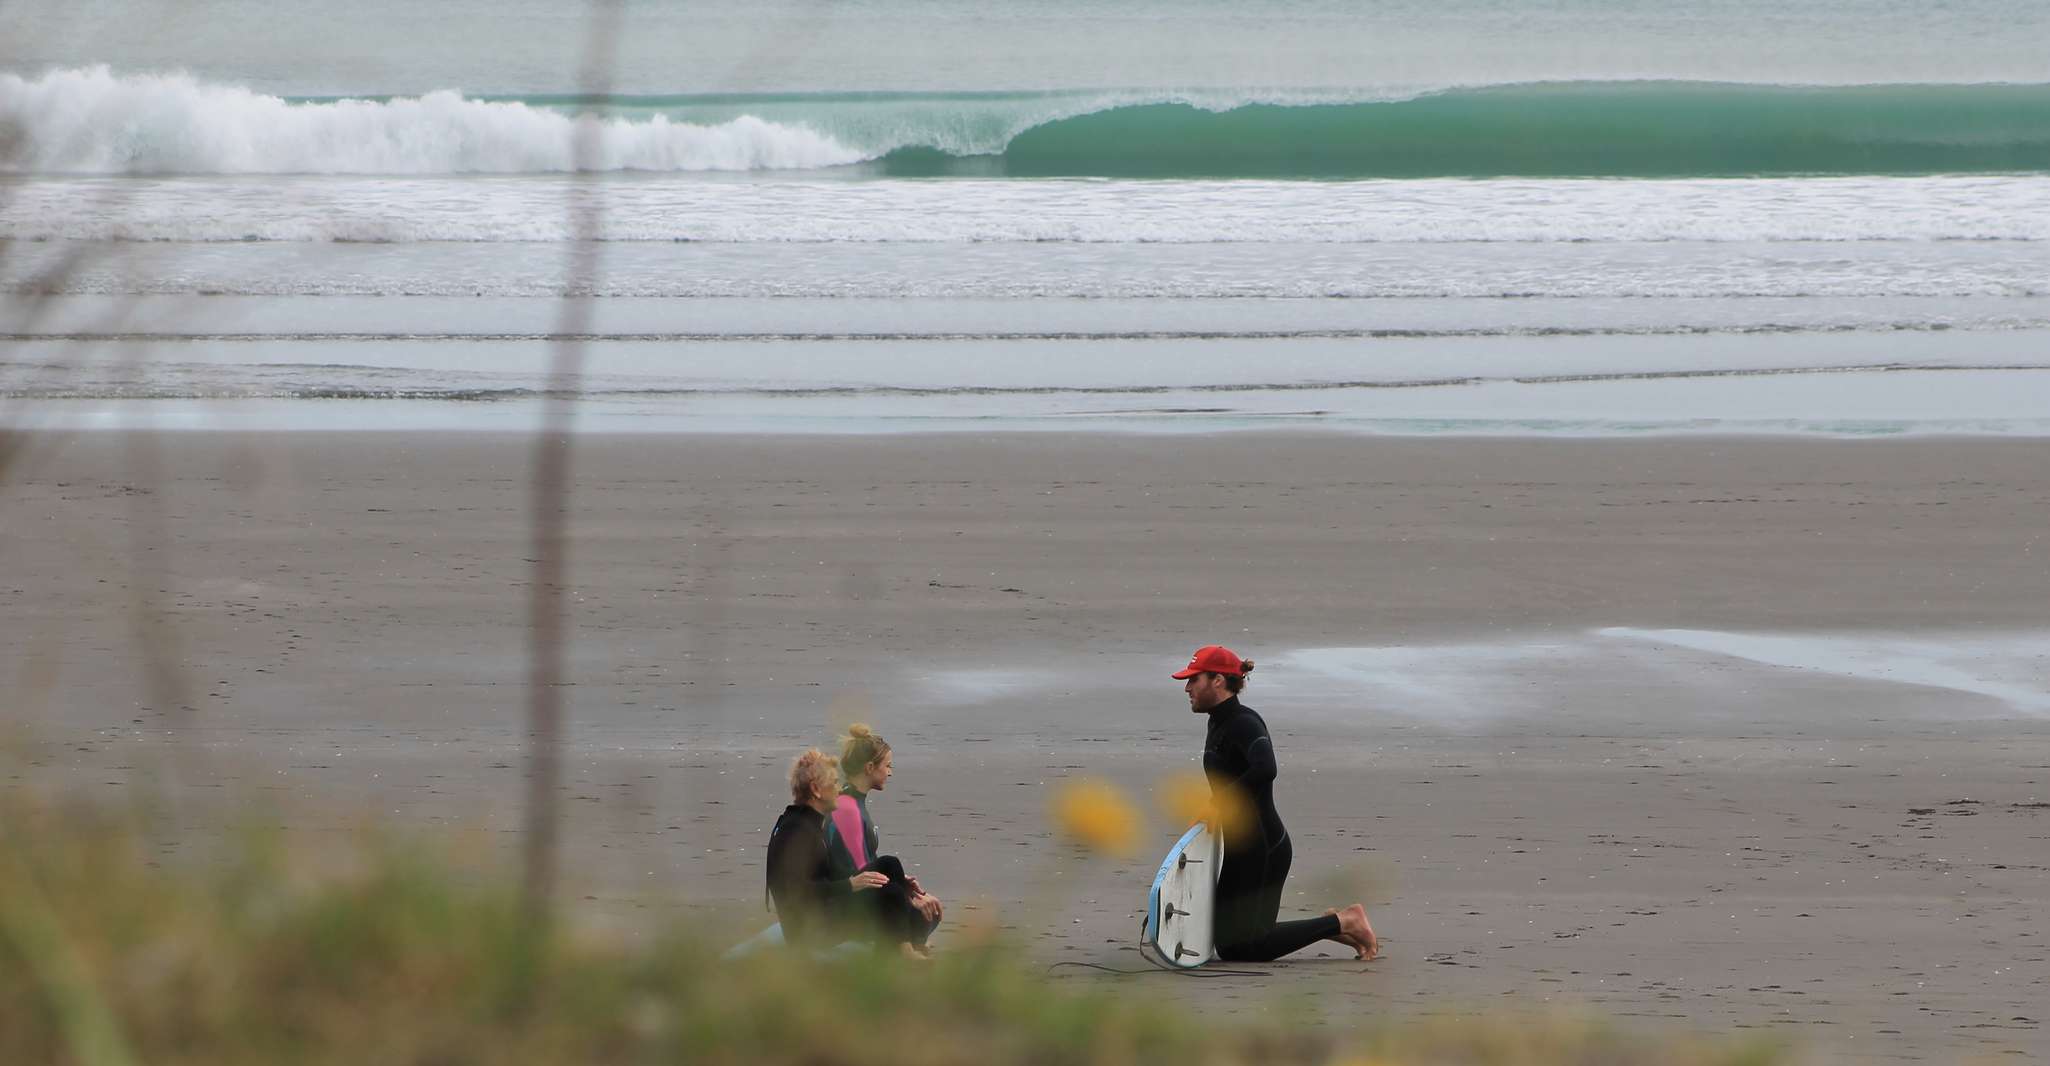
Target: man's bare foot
(913,951)
(1356,931)
(1345,935)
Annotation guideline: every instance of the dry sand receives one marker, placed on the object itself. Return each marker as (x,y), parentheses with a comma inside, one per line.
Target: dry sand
(1544,797)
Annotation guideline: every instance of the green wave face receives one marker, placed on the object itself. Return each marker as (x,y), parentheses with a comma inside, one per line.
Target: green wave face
(1647,129)
(1561,130)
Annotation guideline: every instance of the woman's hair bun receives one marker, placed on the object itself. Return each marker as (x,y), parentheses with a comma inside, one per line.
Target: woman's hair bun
(1246,665)
(860,729)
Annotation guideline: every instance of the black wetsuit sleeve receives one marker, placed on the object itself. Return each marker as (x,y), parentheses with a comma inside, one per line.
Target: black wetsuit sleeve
(1255,750)
(800,875)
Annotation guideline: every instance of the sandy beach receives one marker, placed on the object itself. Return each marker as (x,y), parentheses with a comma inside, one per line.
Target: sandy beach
(1729,734)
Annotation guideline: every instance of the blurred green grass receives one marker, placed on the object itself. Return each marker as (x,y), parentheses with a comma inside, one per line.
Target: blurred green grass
(389,951)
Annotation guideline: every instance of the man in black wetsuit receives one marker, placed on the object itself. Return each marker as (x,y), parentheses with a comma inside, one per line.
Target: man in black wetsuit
(1238,758)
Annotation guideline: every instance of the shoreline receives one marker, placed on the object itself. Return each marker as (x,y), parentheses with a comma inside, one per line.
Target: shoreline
(746,418)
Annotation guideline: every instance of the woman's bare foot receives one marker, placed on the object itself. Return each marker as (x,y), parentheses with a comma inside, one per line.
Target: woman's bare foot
(913,951)
(1356,931)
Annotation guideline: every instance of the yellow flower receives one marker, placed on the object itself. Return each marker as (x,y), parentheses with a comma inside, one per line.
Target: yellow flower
(1187,798)
(1184,797)
(1096,814)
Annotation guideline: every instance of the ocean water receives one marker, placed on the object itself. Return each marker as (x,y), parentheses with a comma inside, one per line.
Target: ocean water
(1475,216)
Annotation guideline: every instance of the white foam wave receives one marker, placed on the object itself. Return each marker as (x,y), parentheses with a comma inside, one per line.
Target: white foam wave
(2009,669)
(1718,682)
(674,208)
(1463,684)
(92,121)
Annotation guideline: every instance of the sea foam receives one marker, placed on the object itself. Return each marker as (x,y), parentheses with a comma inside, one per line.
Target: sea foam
(93,121)
(681,208)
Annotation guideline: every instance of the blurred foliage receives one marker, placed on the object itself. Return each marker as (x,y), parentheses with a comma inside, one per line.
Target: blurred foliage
(384,953)
(1097,815)
(1187,798)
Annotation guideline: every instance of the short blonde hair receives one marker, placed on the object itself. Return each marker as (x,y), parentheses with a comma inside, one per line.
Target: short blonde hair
(808,772)
(859,748)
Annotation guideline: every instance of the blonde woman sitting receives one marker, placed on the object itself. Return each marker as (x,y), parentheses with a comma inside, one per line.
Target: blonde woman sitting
(903,910)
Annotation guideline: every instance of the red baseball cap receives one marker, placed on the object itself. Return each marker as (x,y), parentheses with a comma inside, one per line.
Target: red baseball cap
(1212,659)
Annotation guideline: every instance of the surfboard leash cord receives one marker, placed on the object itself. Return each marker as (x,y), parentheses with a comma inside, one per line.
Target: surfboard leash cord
(1156,969)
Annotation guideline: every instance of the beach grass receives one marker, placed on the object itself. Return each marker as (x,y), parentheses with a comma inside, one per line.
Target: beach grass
(391,950)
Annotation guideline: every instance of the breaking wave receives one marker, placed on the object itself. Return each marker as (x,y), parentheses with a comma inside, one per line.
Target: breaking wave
(96,121)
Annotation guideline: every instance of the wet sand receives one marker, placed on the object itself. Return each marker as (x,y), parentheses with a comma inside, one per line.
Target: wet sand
(1726,734)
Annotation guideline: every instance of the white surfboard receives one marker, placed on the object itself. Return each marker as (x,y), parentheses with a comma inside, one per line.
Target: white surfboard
(1182,903)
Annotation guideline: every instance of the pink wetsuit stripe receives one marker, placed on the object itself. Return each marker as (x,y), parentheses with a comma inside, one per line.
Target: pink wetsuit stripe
(847,819)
